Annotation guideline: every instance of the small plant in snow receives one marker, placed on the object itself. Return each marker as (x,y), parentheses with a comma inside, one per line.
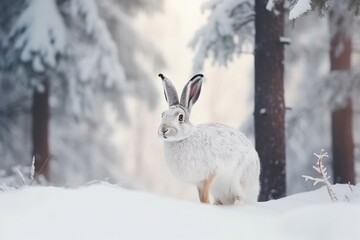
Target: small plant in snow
(21,175)
(24,180)
(32,171)
(27,182)
(321,169)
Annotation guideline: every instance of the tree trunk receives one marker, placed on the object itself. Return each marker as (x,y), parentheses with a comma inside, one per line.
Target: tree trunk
(341,118)
(40,128)
(269,99)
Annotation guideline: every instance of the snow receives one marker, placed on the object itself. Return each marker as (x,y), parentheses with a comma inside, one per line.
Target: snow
(285,40)
(270,5)
(301,7)
(104,211)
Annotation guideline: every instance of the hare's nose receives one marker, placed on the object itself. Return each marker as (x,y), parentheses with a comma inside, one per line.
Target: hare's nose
(164,129)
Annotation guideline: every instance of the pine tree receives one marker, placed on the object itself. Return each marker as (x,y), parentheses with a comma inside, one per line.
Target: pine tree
(79,47)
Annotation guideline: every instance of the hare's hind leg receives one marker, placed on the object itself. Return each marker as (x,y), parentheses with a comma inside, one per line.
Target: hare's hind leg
(251,189)
(239,202)
(204,189)
(254,192)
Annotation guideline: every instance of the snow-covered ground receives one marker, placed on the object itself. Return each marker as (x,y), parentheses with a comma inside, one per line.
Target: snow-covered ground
(103,211)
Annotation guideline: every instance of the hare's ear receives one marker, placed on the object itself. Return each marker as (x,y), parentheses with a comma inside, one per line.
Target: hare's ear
(171,95)
(191,91)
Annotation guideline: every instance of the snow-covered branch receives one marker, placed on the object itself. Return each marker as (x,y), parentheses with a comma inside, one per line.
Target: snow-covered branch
(228,30)
(321,169)
(103,58)
(40,34)
(300,7)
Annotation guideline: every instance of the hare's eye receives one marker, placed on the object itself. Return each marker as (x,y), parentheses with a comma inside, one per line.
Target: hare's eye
(181,117)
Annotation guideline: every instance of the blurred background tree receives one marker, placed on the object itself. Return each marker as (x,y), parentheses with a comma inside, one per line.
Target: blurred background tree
(331,94)
(73,56)
(340,22)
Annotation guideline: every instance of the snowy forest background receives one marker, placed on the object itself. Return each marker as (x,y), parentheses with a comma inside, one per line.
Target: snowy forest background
(98,62)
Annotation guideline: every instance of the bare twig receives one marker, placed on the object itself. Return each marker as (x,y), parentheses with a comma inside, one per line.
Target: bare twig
(21,175)
(321,169)
(32,171)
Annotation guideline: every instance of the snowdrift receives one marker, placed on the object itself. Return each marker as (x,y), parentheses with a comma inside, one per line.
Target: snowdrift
(107,212)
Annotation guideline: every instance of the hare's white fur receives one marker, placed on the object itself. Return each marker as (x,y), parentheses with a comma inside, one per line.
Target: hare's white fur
(197,153)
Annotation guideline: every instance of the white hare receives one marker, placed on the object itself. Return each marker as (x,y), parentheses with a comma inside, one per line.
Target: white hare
(214,157)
